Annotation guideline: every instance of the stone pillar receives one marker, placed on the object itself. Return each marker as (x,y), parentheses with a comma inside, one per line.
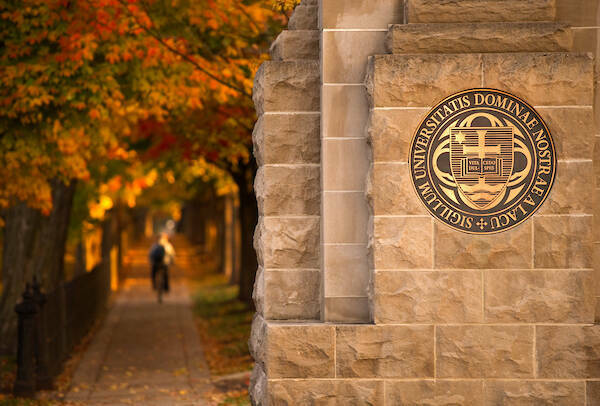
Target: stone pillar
(362,296)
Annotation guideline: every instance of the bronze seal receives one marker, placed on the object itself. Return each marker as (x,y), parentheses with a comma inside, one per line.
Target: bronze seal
(482,161)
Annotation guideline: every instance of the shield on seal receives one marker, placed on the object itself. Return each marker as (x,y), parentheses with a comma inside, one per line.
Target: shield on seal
(481,159)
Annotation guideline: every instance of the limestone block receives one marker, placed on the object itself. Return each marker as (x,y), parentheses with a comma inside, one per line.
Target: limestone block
(510,249)
(428,297)
(392,191)
(345,217)
(345,164)
(288,243)
(563,242)
(391,131)
(484,351)
(578,13)
(435,11)
(345,54)
(365,351)
(568,351)
(258,293)
(287,87)
(554,79)
(346,270)
(420,80)
(451,38)
(593,393)
(296,46)
(573,191)
(288,190)
(347,309)
(287,139)
(258,386)
(539,296)
(257,341)
(345,111)
(292,295)
(402,243)
(596,158)
(304,18)
(362,14)
(300,351)
(309,2)
(325,392)
(572,130)
(534,393)
(438,393)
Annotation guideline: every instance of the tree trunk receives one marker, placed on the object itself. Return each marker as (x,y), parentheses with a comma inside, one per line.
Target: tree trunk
(33,245)
(248,221)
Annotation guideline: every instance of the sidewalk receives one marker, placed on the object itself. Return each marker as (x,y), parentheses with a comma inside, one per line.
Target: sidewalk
(145,354)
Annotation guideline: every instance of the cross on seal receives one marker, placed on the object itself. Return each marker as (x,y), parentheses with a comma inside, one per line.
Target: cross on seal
(481,223)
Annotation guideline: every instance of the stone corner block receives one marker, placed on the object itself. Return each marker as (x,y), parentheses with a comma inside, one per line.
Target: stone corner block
(296,46)
(282,191)
(287,86)
(292,295)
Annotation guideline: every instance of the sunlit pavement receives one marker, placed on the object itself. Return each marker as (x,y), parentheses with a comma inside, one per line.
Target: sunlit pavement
(146,353)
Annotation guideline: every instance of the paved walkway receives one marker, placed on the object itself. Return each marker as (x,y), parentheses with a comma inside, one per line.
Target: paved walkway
(145,354)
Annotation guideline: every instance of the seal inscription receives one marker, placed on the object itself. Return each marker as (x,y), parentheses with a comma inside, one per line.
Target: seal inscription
(482,161)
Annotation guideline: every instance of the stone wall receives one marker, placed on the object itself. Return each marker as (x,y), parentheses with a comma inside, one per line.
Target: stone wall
(362,297)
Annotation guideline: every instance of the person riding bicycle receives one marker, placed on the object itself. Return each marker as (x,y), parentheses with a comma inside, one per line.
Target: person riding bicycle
(162,254)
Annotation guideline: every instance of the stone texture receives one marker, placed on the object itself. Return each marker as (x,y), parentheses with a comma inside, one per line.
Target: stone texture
(539,296)
(438,393)
(287,87)
(578,13)
(419,80)
(284,243)
(392,192)
(542,79)
(258,386)
(346,109)
(257,341)
(571,193)
(285,190)
(402,243)
(345,164)
(304,18)
(531,393)
(346,271)
(362,14)
(258,293)
(563,242)
(345,218)
(347,309)
(593,393)
(296,46)
(428,297)
(596,158)
(572,130)
(479,37)
(345,54)
(568,351)
(484,351)
(384,351)
(391,131)
(287,139)
(510,249)
(292,295)
(300,351)
(325,392)
(435,11)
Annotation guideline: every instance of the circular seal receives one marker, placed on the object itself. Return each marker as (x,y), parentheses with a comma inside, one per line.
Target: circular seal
(482,161)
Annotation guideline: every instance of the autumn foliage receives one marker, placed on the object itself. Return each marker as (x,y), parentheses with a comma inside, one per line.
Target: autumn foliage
(87,82)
